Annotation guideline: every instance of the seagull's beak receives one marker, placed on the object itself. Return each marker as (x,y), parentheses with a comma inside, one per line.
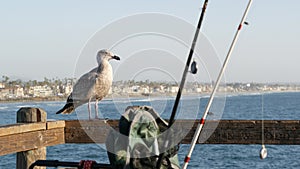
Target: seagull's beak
(116,57)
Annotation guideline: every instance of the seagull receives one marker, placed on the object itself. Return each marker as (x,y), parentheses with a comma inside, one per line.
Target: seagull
(91,86)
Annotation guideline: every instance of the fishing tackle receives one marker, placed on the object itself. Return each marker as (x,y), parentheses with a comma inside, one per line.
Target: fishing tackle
(202,121)
(263,151)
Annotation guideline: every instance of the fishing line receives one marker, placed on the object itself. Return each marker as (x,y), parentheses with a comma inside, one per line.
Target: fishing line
(263,151)
(202,121)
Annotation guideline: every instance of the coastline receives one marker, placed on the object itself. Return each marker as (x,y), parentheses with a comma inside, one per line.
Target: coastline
(156,95)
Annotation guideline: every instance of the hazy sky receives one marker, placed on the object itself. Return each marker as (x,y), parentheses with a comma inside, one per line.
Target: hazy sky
(45,38)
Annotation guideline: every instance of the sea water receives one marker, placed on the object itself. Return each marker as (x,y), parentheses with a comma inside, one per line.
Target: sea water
(269,106)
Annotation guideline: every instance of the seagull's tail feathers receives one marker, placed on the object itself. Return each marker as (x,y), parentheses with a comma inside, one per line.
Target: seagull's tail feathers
(68,108)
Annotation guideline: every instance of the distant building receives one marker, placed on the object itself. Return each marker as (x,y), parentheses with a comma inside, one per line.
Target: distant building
(2,85)
(145,90)
(173,89)
(198,90)
(159,89)
(19,92)
(135,89)
(68,89)
(40,91)
(4,93)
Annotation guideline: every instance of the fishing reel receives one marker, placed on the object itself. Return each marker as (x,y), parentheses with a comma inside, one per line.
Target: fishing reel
(194,67)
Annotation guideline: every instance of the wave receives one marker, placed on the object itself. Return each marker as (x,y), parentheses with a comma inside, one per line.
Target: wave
(27,105)
(3,108)
(242,94)
(129,100)
(55,104)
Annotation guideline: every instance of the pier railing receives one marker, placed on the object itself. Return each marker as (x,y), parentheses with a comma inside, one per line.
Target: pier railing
(32,134)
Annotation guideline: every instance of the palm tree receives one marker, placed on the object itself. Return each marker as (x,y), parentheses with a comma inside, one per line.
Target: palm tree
(6,79)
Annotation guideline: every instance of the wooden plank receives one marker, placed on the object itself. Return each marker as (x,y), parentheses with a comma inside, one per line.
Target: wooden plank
(55,124)
(31,140)
(250,132)
(88,131)
(222,132)
(21,128)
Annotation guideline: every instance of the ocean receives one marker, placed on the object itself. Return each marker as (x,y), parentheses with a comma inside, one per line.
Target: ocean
(270,106)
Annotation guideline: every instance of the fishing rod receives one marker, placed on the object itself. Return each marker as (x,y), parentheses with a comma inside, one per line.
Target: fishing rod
(202,121)
(187,65)
(188,62)
(83,164)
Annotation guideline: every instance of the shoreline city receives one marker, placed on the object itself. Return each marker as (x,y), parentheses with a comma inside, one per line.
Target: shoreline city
(59,89)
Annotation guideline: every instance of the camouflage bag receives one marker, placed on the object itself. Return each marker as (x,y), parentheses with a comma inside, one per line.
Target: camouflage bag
(137,145)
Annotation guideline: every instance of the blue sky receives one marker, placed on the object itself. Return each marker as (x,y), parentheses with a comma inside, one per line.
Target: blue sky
(44,38)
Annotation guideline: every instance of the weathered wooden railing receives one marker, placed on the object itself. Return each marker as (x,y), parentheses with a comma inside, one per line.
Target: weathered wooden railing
(29,138)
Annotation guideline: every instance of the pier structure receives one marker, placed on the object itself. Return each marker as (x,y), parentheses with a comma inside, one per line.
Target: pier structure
(32,133)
